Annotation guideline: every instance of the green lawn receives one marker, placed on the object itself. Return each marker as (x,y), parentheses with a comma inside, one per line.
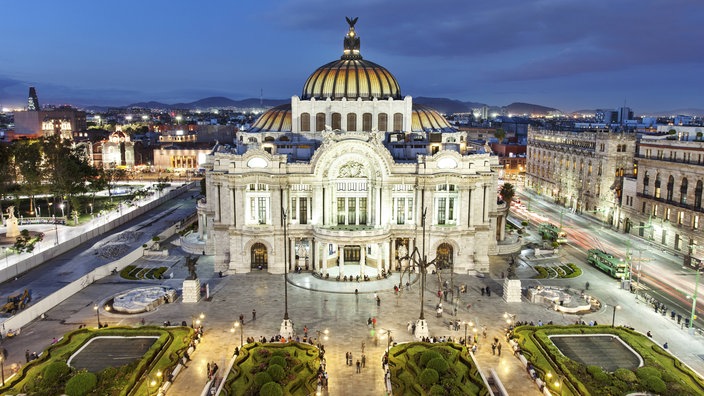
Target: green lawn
(421,368)
(662,373)
(291,366)
(162,356)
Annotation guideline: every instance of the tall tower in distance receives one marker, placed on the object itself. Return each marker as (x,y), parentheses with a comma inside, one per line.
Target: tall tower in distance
(33,101)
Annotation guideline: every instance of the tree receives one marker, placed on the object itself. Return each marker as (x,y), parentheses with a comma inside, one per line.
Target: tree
(500,134)
(69,169)
(25,242)
(7,169)
(29,160)
(507,193)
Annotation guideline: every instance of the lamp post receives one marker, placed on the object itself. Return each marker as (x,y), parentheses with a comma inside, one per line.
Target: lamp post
(97,312)
(466,324)
(63,214)
(388,340)
(613,317)
(56,231)
(241,326)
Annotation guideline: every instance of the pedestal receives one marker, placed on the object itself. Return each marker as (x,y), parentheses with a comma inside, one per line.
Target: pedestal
(286,329)
(512,290)
(421,329)
(191,290)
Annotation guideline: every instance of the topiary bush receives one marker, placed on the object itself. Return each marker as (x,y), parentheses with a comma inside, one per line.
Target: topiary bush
(438,364)
(437,390)
(646,372)
(625,375)
(279,360)
(271,389)
(428,378)
(656,385)
(261,378)
(427,356)
(81,384)
(276,372)
(55,371)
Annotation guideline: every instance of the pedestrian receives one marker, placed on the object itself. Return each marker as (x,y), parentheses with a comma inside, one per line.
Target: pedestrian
(664,345)
(649,334)
(498,349)
(493,348)
(359,366)
(26,355)
(242,318)
(364,360)
(378,301)
(142,321)
(484,331)
(483,290)
(586,286)
(208,370)
(363,346)
(254,314)
(488,292)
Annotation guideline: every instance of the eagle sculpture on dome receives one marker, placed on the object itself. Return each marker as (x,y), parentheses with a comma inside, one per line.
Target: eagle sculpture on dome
(352,21)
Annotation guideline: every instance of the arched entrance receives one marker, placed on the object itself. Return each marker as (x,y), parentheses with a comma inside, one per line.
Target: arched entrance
(260,257)
(443,256)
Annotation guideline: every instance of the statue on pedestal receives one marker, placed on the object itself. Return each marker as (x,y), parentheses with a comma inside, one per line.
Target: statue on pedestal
(13,229)
(191,264)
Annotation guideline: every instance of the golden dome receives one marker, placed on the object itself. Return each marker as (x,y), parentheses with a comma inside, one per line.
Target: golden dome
(426,119)
(276,119)
(351,77)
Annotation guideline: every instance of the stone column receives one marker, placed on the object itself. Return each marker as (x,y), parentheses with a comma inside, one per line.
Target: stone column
(379,264)
(312,254)
(323,257)
(362,259)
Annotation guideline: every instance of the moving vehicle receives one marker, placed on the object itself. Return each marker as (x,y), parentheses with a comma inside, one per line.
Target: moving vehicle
(614,266)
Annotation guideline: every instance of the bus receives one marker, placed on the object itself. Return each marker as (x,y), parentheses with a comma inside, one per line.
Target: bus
(550,232)
(614,266)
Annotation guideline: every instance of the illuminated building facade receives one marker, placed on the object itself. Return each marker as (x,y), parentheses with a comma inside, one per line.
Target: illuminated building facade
(663,202)
(349,168)
(582,171)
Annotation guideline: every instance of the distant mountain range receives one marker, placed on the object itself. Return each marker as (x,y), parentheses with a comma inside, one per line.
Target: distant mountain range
(442,105)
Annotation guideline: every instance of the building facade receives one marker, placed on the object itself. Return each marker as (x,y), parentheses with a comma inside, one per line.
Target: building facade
(350,175)
(582,171)
(664,200)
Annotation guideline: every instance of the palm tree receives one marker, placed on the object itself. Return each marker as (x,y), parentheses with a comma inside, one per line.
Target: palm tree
(507,193)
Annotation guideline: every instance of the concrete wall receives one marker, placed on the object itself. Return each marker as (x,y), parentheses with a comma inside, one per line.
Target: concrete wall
(38,307)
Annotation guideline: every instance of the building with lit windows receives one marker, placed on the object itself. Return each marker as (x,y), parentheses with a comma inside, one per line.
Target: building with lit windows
(582,170)
(663,202)
(340,180)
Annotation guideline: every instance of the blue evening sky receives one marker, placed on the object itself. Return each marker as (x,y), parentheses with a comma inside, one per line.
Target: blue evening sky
(568,54)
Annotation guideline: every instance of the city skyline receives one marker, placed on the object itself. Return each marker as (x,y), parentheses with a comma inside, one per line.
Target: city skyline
(564,54)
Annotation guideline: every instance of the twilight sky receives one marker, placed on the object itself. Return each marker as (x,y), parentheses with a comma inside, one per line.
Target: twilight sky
(567,54)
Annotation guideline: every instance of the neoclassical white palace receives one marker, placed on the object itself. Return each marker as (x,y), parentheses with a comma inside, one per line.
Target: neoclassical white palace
(343,174)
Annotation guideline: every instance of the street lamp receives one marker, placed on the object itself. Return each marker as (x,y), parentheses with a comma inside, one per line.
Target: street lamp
(241,326)
(613,317)
(325,337)
(466,324)
(388,340)
(97,312)
(63,214)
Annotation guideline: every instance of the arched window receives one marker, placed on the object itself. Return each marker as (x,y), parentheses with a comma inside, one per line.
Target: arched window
(670,187)
(698,195)
(383,122)
(320,122)
(305,122)
(367,122)
(336,121)
(657,186)
(398,122)
(352,122)
(646,182)
(683,191)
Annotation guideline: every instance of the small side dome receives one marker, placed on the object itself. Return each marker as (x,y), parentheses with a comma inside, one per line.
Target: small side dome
(276,119)
(426,119)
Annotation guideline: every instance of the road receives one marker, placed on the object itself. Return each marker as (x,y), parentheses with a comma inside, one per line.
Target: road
(657,272)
